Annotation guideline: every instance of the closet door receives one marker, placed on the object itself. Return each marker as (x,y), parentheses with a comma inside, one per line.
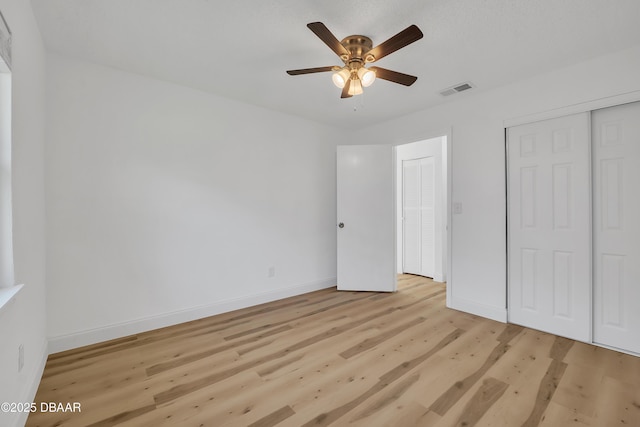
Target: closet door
(411,216)
(549,217)
(616,165)
(419,232)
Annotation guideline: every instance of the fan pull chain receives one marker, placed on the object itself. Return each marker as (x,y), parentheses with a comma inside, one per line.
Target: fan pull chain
(357,107)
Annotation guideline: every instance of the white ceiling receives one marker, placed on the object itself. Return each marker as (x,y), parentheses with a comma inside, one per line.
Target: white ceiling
(240,49)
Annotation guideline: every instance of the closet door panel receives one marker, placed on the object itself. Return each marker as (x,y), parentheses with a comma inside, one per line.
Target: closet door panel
(550,226)
(427,217)
(616,165)
(419,232)
(411,216)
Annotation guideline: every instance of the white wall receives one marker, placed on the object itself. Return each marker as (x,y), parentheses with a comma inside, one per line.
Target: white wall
(478,270)
(436,148)
(22,321)
(166,203)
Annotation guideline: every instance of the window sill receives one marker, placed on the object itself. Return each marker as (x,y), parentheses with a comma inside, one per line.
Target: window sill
(7,295)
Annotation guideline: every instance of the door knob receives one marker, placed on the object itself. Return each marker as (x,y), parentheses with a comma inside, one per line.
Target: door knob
(341,225)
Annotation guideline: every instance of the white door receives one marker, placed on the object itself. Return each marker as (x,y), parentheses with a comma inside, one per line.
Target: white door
(549,253)
(419,233)
(366,218)
(616,225)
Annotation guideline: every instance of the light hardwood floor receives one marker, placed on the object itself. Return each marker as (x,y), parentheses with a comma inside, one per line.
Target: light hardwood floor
(344,358)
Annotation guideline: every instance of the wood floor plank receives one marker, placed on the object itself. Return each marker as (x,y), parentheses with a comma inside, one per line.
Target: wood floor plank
(560,348)
(524,365)
(386,399)
(363,372)
(343,358)
(618,403)
(457,361)
(324,386)
(546,390)
(204,406)
(558,415)
(329,417)
(518,402)
(489,392)
(288,319)
(183,360)
(273,418)
(459,388)
(404,413)
(392,329)
(186,388)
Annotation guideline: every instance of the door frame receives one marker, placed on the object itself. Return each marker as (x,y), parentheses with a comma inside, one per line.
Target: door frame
(595,104)
(420,150)
(447,160)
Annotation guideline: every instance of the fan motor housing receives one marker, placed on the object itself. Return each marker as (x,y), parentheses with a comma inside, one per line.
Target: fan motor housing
(357,46)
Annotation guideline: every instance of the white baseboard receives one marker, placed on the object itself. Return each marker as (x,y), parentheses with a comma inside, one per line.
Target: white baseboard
(490,312)
(439,278)
(33,384)
(92,336)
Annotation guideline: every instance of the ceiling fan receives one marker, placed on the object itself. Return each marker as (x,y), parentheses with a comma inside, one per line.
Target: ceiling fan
(356,51)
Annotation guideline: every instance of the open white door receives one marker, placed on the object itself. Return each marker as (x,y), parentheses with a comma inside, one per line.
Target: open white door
(366,218)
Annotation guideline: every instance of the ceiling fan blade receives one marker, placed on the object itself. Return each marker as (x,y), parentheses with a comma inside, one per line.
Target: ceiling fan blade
(320,30)
(394,76)
(400,40)
(345,90)
(310,70)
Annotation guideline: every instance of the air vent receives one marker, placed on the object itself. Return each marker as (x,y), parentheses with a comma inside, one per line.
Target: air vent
(457,88)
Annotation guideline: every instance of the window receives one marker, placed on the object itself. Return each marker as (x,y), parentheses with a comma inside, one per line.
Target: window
(6,238)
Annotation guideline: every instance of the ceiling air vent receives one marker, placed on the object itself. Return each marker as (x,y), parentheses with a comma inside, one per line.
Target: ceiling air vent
(457,88)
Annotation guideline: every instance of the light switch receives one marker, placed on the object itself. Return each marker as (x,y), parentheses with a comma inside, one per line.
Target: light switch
(457,208)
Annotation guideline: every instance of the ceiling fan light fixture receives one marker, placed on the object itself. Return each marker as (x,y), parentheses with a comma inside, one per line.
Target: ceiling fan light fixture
(367,76)
(340,77)
(355,88)
(356,51)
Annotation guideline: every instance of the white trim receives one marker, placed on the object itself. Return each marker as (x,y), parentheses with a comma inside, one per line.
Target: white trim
(440,279)
(591,184)
(446,132)
(394,184)
(619,350)
(34,383)
(92,336)
(423,136)
(420,150)
(596,104)
(490,312)
(449,275)
(7,295)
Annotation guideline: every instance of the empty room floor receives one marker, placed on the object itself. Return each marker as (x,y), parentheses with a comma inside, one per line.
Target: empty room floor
(343,358)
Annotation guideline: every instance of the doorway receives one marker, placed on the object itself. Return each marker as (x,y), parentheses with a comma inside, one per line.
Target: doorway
(421,208)
(369,213)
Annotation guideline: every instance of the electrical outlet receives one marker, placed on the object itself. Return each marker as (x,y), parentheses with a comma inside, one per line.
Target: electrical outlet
(271,272)
(20,357)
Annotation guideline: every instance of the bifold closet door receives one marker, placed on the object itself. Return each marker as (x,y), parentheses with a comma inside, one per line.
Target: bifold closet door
(616,165)
(418,212)
(549,209)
